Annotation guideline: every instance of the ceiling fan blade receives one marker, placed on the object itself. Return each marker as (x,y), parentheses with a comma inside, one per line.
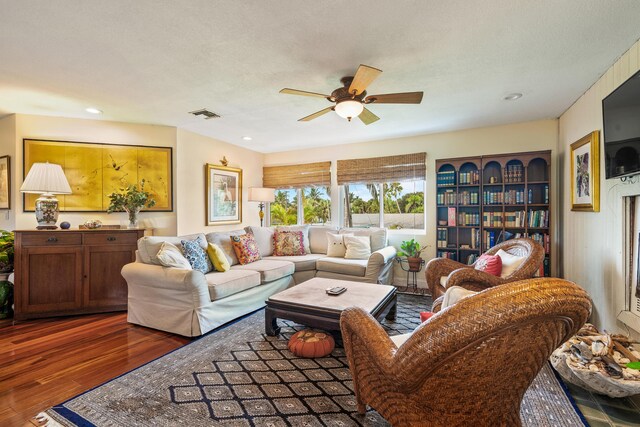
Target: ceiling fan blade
(315,115)
(396,98)
(363,78)
(368,117)
(302,92)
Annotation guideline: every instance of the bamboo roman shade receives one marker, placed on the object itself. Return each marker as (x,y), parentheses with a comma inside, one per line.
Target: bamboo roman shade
(382,169)
(297,176)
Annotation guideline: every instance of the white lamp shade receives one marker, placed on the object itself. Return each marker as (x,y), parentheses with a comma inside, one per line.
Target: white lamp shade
(46,178)
(349,109)
(258,194)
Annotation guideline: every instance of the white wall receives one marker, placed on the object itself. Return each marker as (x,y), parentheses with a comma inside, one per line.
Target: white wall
(8,147)
(194,151)
(592,243)
(102,131)
(529,136)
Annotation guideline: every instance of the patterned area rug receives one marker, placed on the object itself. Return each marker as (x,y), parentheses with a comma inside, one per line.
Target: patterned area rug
(237,376)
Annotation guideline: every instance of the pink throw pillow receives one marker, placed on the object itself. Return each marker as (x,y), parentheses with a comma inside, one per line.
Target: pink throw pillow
(490,264)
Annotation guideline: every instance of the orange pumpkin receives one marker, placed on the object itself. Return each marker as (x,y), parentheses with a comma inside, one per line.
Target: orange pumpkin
(309,343)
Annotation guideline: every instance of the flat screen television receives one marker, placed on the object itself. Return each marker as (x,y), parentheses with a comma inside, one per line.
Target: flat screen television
(621,119)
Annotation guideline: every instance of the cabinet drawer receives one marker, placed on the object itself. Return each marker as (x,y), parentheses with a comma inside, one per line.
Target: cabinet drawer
(51,239)
(119,238)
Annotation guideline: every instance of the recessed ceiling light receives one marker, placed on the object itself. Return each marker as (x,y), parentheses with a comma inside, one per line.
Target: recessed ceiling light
(93,110)
(247,138)
(513,96)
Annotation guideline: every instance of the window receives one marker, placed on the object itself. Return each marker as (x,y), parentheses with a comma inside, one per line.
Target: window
(313,202)
(284,210)
(316,205)
(402,205)
(302,193)
(362,205)
(384,191)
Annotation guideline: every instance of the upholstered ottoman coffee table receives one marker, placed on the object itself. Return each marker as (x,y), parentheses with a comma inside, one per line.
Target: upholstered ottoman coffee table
(309,304)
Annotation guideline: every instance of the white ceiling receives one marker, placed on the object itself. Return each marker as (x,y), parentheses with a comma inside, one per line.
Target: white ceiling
(152,61)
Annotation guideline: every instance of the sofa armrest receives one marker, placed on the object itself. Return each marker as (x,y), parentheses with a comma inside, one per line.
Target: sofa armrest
(379,263)
(159,281)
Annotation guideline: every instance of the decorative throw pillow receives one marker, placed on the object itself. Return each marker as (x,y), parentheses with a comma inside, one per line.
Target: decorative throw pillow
(336,245)
(455,294)
(288,243)
(510,263)
(170,255)
(196,256)
(490,264)
(218,258)
(358,247)
(246,248)
(305,234)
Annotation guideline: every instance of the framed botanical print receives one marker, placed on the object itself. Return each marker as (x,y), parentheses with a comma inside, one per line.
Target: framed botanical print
(5,182)
(585,173)
(223,195)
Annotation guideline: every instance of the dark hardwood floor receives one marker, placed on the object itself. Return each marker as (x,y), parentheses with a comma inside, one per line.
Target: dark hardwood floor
(47,361)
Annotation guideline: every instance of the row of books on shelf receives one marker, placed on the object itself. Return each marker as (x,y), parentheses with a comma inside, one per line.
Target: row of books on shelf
(470,178)
(513,174)
(513,197)
(468,198)
(516,219)
(446,179)
(543,239)
(468,219)
(538,219)
(449,197)
(442,235)
(492,238)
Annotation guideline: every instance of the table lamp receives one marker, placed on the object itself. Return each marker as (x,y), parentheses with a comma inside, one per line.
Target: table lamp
(262,195)
(46,179)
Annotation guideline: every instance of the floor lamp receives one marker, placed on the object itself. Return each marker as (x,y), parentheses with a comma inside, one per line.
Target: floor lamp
(261,195)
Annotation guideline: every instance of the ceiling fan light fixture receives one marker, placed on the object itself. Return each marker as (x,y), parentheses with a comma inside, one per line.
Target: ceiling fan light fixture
(349,108)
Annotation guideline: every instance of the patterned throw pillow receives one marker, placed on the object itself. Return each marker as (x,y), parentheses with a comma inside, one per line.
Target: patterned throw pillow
(196,256)
(490,264)
(246,248)
(288,243)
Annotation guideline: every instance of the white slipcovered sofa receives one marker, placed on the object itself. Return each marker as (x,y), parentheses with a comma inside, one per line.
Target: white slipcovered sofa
(190,303)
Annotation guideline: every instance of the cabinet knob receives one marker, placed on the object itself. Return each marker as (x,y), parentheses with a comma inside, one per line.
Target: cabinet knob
(111,239)
(52,239)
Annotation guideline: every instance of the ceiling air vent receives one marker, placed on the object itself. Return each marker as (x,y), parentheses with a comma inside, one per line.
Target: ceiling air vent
(206,113)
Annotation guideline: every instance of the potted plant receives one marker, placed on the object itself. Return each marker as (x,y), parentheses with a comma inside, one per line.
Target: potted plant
(131,200)
(412,250)
(6,251)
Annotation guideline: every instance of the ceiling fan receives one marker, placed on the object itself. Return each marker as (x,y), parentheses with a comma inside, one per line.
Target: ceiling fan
(350,100)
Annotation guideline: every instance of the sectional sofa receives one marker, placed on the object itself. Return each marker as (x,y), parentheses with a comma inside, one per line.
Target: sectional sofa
(190,303)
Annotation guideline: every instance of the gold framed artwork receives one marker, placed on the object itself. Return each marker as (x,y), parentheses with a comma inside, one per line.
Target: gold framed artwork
(5,182)
(223,186)
(95,170)
(585,173)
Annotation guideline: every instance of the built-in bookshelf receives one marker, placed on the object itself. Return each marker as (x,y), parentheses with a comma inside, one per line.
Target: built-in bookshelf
(480,200)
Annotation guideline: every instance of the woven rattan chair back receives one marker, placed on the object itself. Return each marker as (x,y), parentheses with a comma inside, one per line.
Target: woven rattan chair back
(471,363)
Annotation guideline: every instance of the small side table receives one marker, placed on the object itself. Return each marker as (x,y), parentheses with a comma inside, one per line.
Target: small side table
(412,274)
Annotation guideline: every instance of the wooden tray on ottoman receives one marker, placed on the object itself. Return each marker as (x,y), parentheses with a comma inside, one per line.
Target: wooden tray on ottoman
(309,304)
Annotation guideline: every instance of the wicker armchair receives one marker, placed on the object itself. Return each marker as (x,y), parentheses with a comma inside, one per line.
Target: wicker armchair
(468,277)
(471,363)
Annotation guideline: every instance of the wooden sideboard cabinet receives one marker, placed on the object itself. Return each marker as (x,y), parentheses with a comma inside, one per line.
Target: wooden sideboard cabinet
(64,272)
